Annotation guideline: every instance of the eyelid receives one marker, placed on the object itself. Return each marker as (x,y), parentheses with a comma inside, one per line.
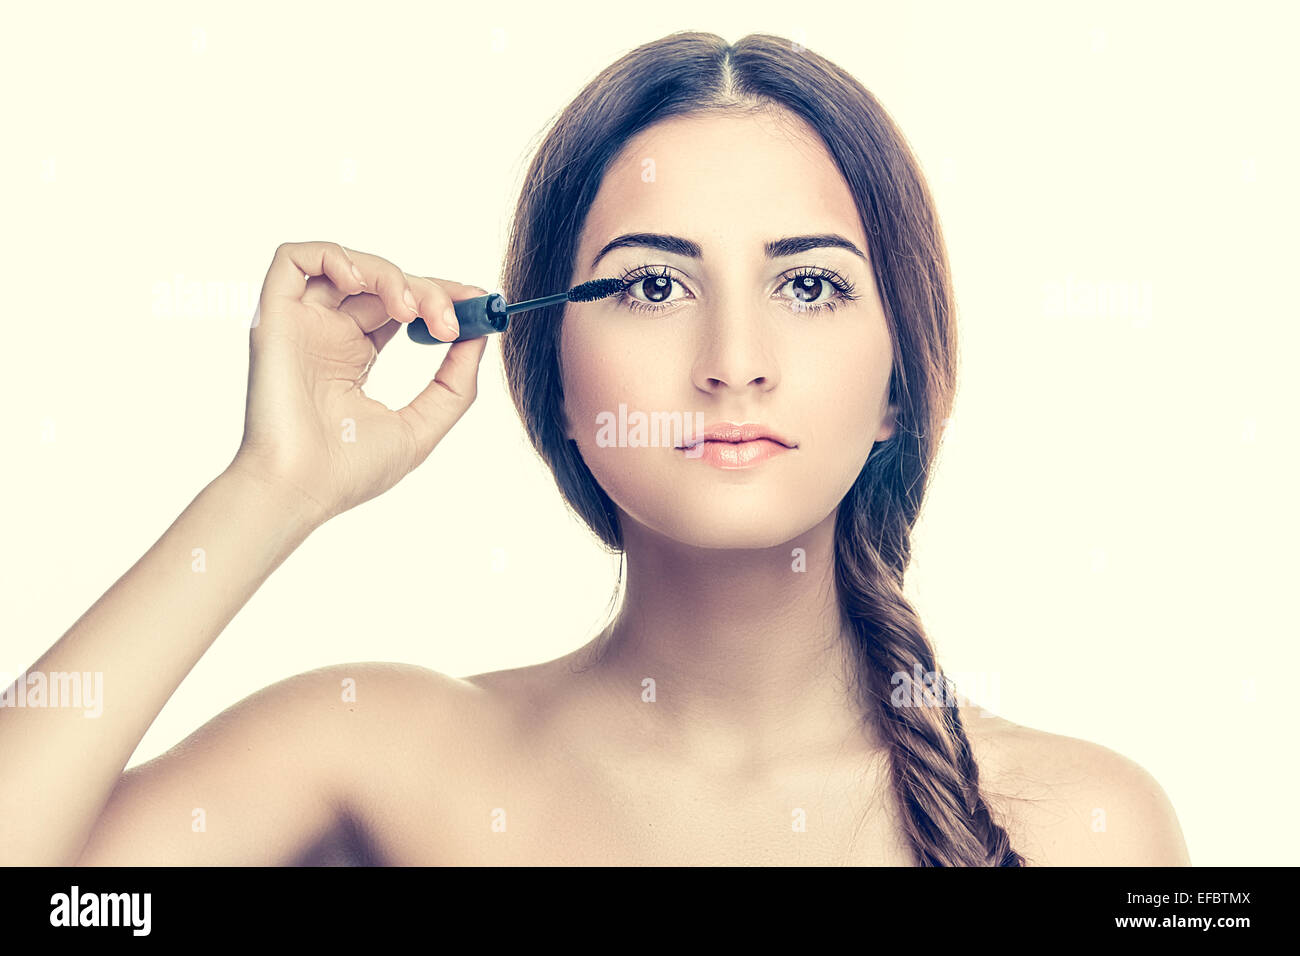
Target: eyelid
(640,273)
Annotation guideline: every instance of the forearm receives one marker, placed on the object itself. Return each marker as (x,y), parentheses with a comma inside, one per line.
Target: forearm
(133,646)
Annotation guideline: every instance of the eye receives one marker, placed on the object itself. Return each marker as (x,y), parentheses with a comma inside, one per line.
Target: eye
(810,284)
(656,286)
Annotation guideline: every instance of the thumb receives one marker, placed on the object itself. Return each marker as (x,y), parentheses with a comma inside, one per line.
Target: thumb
(432,413)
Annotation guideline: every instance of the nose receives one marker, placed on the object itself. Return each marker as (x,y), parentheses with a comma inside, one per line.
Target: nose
(735,352)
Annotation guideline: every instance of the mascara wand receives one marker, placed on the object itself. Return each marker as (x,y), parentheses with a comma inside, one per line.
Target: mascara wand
(490,313)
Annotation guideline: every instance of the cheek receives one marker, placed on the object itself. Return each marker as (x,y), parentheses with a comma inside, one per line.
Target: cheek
(599,376)
(841,413)
(595,380)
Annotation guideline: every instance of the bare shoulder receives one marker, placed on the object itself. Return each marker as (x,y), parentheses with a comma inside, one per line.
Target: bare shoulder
(399,707)
(1071,802)
(364,693)
(411,711)
(368,709)
(289,763)
(414,729)
(323,713)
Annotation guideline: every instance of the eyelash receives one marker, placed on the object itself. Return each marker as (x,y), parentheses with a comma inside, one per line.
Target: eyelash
(844,289)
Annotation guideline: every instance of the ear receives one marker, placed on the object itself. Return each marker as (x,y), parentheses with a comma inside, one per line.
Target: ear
(888,424)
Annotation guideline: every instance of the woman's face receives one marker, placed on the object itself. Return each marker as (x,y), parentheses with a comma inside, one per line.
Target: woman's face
(738,337)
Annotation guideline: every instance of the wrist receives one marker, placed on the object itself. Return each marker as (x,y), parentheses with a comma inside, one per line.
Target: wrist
(282,498)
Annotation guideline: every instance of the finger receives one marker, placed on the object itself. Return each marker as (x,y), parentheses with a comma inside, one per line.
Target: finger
(322,291)
(371,315)
(332,266)
(367,311)
(380,336)
(437,299)
(295,262)
(390,284)
(433,412)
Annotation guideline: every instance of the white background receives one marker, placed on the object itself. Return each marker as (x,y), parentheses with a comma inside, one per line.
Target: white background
(1109,542)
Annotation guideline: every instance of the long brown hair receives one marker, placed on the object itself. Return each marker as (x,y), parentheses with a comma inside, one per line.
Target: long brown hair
(933,771)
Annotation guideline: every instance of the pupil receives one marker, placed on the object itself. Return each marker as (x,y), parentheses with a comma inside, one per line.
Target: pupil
(662,286)
(806,284)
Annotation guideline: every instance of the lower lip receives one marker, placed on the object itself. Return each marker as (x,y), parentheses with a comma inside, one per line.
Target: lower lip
(740,454)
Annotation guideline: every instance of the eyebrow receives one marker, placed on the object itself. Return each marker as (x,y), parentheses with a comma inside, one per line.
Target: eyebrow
(789,246)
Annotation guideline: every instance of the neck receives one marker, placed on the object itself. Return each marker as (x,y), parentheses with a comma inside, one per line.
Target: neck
(746,650)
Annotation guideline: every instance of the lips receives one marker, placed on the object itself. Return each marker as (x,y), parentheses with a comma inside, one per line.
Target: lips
(731,455)
(736,433)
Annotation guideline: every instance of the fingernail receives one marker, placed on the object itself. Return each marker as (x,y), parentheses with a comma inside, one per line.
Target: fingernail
(453,324)
(410,302)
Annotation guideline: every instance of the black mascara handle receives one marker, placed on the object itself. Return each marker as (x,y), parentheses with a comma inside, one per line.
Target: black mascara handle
(477,317)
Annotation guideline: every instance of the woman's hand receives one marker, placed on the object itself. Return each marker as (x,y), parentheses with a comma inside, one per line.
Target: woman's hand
(307,423)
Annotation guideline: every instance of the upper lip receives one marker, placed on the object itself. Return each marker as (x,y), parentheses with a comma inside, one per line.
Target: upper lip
(738,432)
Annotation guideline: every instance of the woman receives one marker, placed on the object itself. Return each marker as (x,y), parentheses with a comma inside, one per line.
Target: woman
(765,693)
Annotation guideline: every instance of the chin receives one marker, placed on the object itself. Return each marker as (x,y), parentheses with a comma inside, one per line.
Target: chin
(717,526)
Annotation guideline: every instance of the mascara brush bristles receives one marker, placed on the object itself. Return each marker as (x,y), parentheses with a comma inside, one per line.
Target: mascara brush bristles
(595,289)
(587,292)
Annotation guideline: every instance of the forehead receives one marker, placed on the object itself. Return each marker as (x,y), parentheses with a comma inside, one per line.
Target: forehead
(733,181)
